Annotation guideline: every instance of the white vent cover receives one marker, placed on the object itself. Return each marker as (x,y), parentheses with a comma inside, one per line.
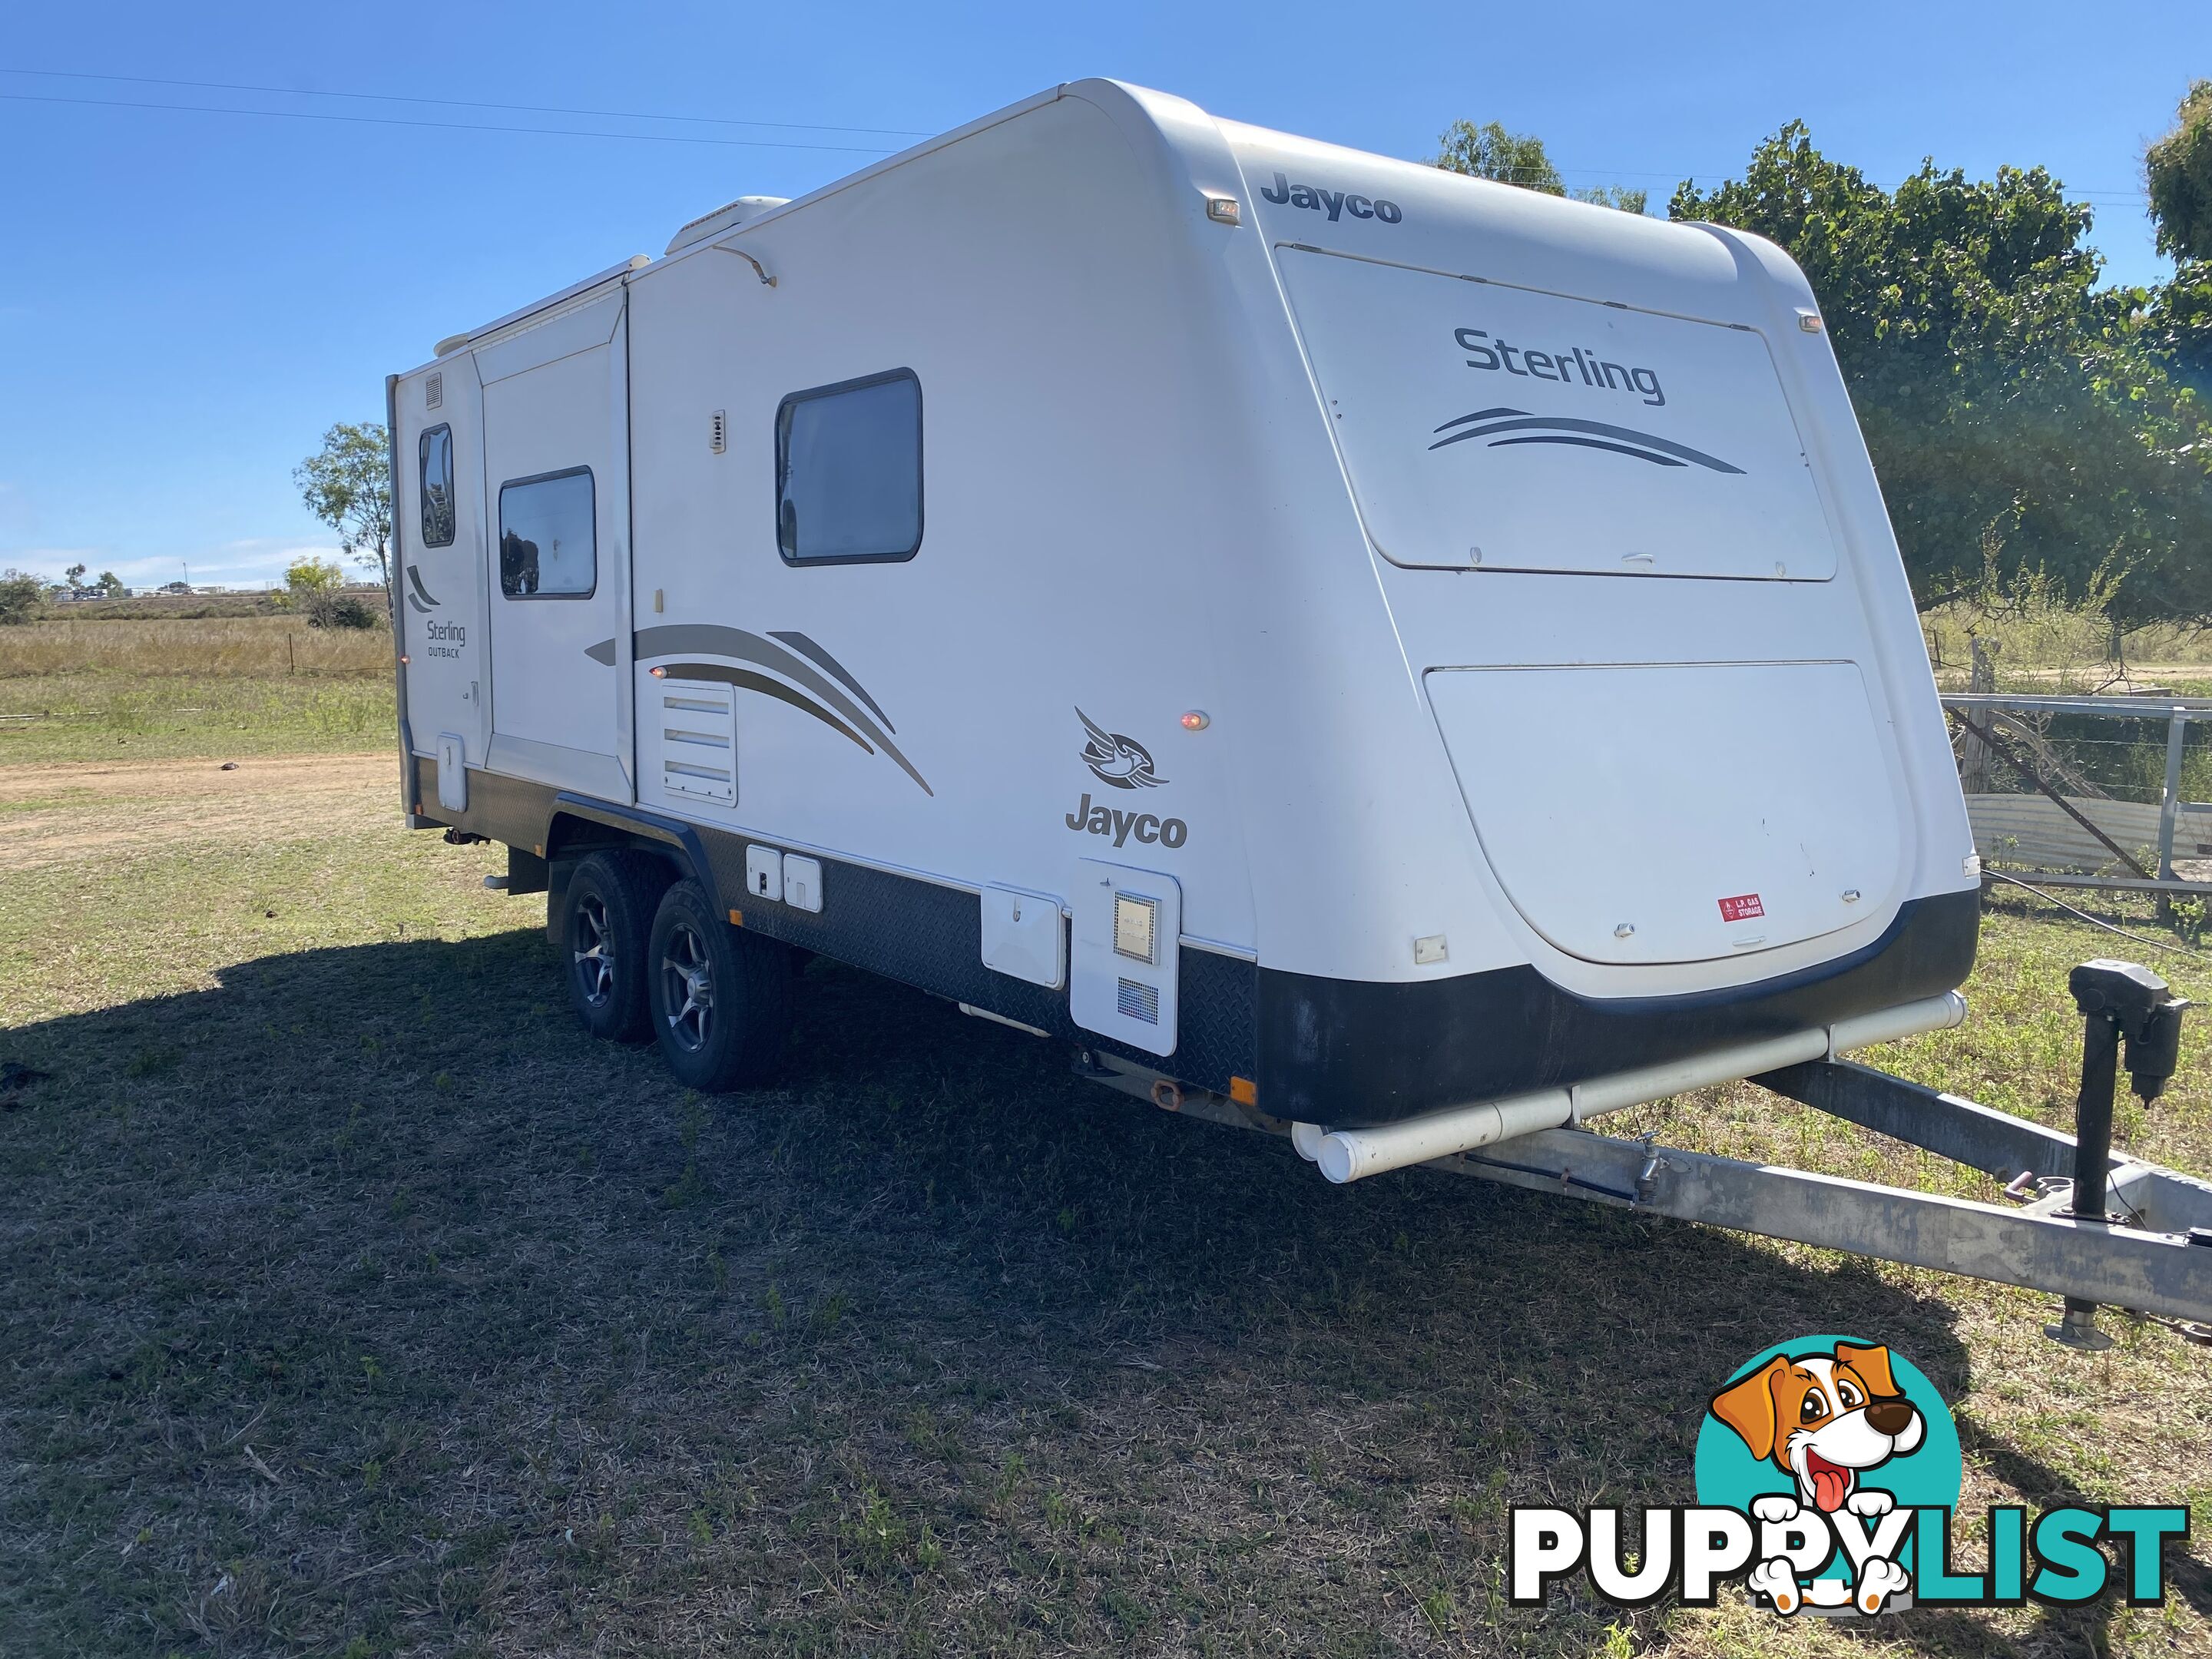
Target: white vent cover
(1122,974)
(699,740)
(434,392)
(728,217)
(718,430)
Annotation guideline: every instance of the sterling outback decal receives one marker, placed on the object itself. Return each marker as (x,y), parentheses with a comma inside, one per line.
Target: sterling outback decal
(420,597)
(1528,428)
(1117,760)
(808,678)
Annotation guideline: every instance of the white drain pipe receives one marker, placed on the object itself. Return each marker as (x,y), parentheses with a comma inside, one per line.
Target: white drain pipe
(1349,1154)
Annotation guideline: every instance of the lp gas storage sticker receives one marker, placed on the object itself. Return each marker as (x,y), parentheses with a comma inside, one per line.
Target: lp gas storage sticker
(1742,907)
(1827,1477)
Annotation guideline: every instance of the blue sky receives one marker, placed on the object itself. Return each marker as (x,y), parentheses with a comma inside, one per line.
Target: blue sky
(190,298)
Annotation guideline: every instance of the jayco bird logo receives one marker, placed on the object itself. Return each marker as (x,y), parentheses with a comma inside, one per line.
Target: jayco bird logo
(1115,759)
(1119,762)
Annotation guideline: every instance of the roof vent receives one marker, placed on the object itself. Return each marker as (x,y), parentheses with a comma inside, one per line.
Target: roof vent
(723,218)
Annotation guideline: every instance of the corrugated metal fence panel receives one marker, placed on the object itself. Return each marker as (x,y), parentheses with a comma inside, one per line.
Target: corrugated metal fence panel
(2033,831)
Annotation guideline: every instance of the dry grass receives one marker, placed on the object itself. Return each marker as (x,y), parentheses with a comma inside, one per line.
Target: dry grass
(352,1303)
(2040,640)
(217,687)
(257,648)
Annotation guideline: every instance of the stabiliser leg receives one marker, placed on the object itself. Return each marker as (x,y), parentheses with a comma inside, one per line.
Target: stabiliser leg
(2118,1000)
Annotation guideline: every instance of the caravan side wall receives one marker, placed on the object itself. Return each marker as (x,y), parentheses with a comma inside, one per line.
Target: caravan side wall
(1170,466)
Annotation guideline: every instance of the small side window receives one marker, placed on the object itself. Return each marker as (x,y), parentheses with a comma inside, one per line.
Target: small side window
(848,471)
(548,541)
(436,478)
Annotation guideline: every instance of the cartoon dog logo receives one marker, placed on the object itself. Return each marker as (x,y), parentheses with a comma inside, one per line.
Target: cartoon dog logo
(1823,1418)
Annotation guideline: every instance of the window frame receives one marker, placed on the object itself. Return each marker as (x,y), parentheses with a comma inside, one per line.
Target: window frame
(790,401)
(423,483)
(499,546)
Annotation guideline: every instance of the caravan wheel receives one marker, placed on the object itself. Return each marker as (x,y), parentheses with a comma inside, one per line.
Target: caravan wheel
(611,900)
(722,999)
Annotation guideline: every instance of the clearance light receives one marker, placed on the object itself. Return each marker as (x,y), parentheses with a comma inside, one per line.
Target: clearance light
(1196,720)
(658,673)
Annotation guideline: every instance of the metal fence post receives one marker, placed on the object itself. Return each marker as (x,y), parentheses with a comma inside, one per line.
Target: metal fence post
(1973,752)
(2169,806)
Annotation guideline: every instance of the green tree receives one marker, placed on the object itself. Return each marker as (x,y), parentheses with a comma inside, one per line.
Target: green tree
(311,575)
(74,575)
(20,593)
(2178,169)
(2010,406)
(110,584)
(347,485)
(316,589)
(1519,158)
(2176,317)
(2174,321)
(1490,152)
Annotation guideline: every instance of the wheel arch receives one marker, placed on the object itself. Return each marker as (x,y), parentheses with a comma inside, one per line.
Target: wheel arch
(580,825)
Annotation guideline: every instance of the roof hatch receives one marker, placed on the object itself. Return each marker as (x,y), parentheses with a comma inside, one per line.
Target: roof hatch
(711,225)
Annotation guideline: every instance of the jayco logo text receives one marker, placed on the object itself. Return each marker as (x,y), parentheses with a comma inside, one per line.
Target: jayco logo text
(1335,203)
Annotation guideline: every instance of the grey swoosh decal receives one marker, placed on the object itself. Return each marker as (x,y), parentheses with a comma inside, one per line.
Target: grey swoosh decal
(1591,443)
(1564,423)
(603,651)
(415,581)
(749,681)
(800,642)
(418,604)
(679,638)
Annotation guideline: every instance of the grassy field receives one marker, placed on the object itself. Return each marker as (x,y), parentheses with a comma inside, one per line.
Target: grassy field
(352,1303)
(85,689)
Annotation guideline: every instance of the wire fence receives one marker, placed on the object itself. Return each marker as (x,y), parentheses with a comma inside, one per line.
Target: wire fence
(2089,791)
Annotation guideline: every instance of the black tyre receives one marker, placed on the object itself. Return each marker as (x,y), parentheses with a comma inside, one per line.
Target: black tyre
(609,903)
(721,998)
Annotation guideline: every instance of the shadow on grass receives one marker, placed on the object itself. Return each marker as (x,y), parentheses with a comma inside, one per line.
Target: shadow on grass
(361,1300)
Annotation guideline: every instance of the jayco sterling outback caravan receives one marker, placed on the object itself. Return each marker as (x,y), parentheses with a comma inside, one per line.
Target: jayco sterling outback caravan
(1315,632)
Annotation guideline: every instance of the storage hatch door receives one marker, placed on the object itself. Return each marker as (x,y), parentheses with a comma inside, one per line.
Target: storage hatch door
(1681,812)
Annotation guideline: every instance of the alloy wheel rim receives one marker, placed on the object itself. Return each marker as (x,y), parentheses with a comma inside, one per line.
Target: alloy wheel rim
(687,988)
(595,961)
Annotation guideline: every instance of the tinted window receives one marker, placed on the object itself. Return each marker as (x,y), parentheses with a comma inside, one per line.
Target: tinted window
(848,471)
(547,546)
(437,486)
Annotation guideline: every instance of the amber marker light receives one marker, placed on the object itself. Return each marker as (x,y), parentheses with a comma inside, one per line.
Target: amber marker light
(1196,720)
(658,673)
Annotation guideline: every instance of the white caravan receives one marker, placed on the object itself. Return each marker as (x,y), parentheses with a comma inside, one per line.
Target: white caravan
(1387,651)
